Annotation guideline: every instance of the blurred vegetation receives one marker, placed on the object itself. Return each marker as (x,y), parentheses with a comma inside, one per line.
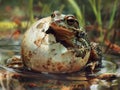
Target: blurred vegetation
(101,18)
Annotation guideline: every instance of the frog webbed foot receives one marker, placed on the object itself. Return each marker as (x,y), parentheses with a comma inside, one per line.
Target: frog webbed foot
(15,62)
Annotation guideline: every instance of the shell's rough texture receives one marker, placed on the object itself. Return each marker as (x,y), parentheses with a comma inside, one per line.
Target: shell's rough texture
(42,52)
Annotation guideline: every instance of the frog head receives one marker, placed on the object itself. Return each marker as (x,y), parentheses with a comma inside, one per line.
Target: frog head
(67,21)
(66,29)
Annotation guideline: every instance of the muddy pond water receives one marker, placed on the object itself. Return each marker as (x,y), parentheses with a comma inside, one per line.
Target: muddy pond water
(13,79)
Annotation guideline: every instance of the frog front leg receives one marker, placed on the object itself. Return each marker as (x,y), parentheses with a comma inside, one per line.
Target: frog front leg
(95,59)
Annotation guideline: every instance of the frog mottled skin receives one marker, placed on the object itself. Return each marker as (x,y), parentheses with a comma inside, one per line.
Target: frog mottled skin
(57,44)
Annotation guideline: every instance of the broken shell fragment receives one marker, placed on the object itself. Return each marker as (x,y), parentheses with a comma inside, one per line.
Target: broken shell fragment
(44,52)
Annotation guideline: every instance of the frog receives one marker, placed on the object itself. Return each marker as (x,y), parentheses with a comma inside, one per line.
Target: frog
(57,44)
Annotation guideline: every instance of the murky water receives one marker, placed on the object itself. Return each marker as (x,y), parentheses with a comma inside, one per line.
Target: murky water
(13,79)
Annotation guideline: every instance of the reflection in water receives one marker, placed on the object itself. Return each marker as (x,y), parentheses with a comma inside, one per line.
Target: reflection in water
(12,79)
(105,85)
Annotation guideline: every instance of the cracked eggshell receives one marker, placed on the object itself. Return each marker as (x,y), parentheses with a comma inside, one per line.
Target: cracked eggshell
(41,52)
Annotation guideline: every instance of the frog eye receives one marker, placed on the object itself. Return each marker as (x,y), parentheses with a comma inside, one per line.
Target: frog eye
(55,13)
(52,15)
(71,20)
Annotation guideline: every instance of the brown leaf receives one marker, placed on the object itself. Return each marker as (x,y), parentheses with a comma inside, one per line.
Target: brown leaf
(114,47)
